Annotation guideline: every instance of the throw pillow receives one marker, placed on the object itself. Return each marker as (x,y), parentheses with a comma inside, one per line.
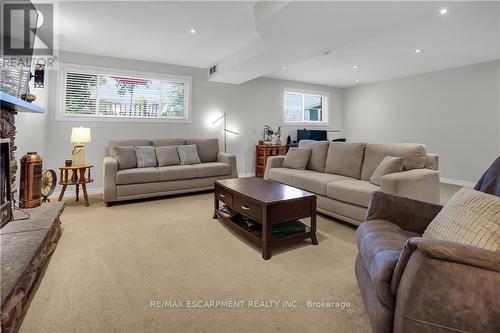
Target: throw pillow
(146,156)
(297,158)
(167,155)
(318,154)
(125,156)
(389,164)
(469,217)
(188,154)
(345,159)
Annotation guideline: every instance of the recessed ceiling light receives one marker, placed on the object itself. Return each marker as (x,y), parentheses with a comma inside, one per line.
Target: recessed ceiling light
(418,51)
(356,81)
(283,68)
(443,11)
(355,67)
(192,31)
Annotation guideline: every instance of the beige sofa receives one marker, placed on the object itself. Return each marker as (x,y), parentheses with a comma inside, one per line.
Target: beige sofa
(137,183)
(339,173)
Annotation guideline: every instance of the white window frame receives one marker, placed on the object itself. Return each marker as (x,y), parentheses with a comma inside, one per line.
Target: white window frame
(64,68)
(324,116)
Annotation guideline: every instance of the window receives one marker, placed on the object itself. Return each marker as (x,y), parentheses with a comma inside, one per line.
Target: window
(109,95)
(305,108)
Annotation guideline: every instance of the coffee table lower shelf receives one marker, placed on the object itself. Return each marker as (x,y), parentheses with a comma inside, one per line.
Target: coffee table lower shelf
(255,236)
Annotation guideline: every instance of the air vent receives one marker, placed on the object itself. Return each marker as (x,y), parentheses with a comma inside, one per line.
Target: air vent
(212,70)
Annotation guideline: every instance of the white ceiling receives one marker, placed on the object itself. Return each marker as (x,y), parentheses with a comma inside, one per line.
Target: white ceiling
(254,39)
(157,31)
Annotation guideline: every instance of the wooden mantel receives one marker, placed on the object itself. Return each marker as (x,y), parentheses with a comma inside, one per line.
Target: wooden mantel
(12,103)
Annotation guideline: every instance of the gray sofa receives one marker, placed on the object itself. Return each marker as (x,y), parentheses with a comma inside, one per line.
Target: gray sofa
(137,183)
(339,173)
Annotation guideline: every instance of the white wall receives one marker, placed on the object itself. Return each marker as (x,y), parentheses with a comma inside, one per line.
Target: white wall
(249,107)
(455,113)
(32,127)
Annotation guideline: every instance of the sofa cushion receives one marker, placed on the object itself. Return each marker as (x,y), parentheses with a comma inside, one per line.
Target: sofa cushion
(296,158)
(357,192)
(469,217)
(131,142)
(212,169)
(414,155)
(167,155)
(188,154)
(146,156)
(315,182)
(389,164)
(207,148)
(283,175)
(125,156)
(319,150)
(177,172)
(168,142)
(137,175)
(345,159)
(380,243)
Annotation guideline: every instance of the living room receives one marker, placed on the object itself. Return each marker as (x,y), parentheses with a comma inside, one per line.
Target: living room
(184,166)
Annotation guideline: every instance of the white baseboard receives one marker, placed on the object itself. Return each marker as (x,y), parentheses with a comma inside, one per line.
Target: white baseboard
(72,192)
(246,174)
(458,182)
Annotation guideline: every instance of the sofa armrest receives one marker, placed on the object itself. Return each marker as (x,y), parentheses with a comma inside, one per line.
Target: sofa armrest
(273,162)
(420,184)
(434,279)
(229,159)
(410,214)
(432,161)
(110,169)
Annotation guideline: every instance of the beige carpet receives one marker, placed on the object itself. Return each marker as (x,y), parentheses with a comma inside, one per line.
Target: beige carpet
(112,262)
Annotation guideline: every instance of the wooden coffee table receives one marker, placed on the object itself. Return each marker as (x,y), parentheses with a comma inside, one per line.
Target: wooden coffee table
(269,204)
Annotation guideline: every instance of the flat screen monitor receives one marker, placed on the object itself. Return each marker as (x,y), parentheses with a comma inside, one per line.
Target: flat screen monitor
(316,135)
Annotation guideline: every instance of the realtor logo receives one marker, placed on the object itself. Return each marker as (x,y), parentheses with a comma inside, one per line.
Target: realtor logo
(27,30)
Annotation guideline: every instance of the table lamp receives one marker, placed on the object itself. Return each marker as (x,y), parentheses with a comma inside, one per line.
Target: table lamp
(79,136)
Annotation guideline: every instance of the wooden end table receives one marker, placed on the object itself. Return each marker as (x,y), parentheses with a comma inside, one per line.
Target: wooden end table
(269,204)
(78,176)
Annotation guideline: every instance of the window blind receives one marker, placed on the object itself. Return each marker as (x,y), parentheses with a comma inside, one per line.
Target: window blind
(106,95)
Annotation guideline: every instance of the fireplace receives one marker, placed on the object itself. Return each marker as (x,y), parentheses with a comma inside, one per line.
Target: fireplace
(5,185)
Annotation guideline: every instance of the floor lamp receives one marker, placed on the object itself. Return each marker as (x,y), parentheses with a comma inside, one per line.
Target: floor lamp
(224,115)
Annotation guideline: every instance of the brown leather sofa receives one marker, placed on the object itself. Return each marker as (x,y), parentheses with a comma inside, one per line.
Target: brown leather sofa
(414,284)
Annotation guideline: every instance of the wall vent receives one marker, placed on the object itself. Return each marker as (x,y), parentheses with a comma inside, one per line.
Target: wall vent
(212,70)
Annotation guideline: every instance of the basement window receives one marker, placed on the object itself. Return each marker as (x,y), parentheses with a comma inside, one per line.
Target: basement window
(112,95)
(305,108)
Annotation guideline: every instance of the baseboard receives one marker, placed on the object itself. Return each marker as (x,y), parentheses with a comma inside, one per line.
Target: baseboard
(246,174)
(458,182)
(72,192)
(100,190)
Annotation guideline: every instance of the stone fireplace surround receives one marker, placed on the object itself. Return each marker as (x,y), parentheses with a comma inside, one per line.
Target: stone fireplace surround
(26,244)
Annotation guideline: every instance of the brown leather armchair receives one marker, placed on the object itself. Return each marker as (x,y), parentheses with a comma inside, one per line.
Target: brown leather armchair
(415,284)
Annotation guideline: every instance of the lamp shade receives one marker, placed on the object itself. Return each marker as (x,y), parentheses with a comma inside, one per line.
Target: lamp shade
(80,135)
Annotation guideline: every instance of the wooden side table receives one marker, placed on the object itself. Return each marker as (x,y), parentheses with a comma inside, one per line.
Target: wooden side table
(76,175)
(262,152)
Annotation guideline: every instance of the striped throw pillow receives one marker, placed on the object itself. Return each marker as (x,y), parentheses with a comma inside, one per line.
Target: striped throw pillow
(188,154)
(469,217)
(146,156)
